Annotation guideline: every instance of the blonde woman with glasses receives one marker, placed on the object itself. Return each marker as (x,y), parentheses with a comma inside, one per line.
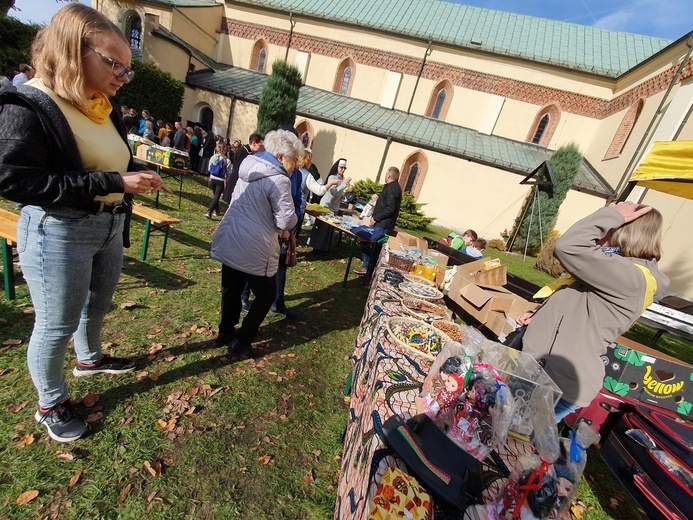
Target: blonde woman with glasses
(64,157)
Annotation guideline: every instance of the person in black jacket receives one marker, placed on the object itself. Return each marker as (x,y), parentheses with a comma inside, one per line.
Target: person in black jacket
(384,216)
(64,156)
(255,144)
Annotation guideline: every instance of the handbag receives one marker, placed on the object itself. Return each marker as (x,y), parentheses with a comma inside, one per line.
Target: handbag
(291,259)
(514,339)
(450,474)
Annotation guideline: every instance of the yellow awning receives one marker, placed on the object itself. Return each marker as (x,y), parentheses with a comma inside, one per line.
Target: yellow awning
(667,167)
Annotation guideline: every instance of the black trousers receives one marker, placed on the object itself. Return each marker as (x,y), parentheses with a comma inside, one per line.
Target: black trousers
(218,189)
(232,283)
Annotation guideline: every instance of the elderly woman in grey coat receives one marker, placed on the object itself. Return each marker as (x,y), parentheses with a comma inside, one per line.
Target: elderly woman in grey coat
(247,239)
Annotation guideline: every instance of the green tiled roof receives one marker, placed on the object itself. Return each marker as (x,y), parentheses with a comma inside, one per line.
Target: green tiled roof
(199,56)
(415,130)
(185,3)
(591,49)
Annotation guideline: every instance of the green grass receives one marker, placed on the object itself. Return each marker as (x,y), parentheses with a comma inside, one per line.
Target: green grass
(192,433)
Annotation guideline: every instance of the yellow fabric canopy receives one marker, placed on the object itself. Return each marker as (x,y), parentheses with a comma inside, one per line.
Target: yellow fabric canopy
(667,167)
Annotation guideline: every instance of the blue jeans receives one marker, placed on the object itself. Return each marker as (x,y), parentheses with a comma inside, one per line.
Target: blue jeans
(369,249)
(71,261)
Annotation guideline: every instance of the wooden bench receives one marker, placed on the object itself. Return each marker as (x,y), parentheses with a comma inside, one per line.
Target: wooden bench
(154,220)
(8,236)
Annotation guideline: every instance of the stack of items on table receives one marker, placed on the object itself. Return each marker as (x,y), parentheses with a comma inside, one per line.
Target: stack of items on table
(146,149)
(409,253)
(482,405)
(644,415)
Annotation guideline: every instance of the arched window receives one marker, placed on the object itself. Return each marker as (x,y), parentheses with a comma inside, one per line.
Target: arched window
(413,173)
(344,78)
(305,132)
(624,130)
(133,31)
(440,100)
(541,127)
(345,81)
(544,125)
(258,56)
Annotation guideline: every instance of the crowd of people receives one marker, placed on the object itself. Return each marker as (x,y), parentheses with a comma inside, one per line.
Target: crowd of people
(75,206)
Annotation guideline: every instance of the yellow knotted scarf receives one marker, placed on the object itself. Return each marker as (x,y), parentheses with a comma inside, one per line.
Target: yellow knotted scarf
(99,108)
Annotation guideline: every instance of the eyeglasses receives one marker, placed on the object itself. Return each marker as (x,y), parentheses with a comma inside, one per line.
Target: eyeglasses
(117,68)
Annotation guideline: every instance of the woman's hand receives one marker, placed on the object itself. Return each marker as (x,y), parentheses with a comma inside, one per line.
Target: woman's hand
(331,184)
(142,182)
(284,234)
(630,210)
(524,318)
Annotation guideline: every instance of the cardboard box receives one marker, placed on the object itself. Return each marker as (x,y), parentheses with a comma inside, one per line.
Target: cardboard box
(440,258)
(490,305)
(649,376)
(409,242)
(142,151)
(475,273)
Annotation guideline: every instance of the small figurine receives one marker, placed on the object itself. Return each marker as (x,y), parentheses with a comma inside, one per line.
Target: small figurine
(446,398)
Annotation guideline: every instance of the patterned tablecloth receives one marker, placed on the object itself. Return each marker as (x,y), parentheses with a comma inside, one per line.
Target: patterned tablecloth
(385,381)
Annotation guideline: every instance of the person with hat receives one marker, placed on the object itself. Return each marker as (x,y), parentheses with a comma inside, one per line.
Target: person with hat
(321,236)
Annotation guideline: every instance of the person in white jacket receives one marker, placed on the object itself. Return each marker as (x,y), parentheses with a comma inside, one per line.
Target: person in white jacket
(247,239)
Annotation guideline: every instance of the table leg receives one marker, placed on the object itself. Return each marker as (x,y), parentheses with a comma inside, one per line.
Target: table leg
(7,270)
(351,255)
(180,189)
(145,240)
(156,197)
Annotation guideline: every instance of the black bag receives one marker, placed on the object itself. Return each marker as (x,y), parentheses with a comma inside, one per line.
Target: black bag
(450,474)
(514,339)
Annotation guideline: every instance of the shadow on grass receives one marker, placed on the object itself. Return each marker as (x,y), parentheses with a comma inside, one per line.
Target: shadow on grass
(145,274)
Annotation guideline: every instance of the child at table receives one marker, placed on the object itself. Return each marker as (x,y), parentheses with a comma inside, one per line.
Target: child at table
(476,248)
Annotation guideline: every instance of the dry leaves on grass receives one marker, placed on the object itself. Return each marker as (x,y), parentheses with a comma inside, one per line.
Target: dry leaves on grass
(75,477)
(154,468)
(265,459)
(309,477)
(124,494)
(12,342)
(25,440)
(90,400)
(128,305)
(27,496)
(93,417)
(64,455)
(14,408)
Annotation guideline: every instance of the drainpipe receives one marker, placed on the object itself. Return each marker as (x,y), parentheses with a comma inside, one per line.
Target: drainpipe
(228,124)
(418,76)
(382,159)
(637,155)
(291,33)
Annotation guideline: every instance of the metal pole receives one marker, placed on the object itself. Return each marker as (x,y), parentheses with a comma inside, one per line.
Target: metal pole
(531,218)
(291,34)
(382,159)
(418,76)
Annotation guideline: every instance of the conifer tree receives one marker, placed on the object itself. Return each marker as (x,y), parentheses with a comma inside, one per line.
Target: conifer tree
(279,98)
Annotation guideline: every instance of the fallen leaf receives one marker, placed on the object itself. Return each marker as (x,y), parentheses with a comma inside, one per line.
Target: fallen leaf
(93,417)
(14,408)
(272,373)
(151,496)
(317,453)
(265,459)
(291,354)
(27,496)
(127,305)
(242,470)
(11,342)
(65,456)
(124,494)
(160,424)
(154,376)
(613,502)
(25,440)
(90,400)
(309,477)
(75,477)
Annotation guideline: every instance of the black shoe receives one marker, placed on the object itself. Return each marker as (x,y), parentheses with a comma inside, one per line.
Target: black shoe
(245,307)
(62,423)
(236,348)
(283,311)
(223,339)
(106,365)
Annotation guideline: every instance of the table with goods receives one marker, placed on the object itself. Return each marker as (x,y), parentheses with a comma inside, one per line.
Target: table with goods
(442,421)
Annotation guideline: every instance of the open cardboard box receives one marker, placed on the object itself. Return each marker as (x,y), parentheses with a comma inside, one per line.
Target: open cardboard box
(489,305)
(408,242)
(475,272)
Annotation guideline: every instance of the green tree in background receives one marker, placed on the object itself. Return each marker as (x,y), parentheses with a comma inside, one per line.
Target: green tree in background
(565,164)
(410,214)
(279,98)
(15,43)
(154,90)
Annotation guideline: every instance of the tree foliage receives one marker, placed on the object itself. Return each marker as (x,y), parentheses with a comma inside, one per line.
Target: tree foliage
(154,90)
(279,98)
(565,164)
(15,43)
(410,214)
(546,261)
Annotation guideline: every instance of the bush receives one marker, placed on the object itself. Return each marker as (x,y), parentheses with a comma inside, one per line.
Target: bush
(410,214)
(153,89)
(496,243)
(15,43)
(546,261)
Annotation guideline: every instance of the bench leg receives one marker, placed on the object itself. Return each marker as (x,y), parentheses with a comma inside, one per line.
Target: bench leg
(165,229)
(7,270)
(351,256)
(145,240)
